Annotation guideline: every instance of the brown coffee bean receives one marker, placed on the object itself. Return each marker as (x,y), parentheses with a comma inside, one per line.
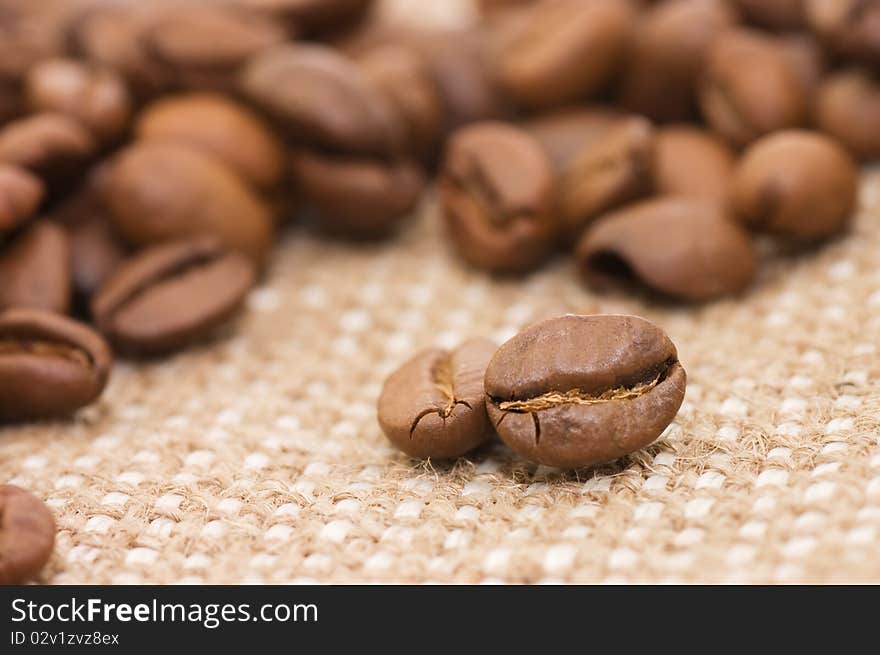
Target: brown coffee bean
(797,184)
(684,248)
(563,50)
(565,132)
(35,269)
(496,191)
(97,98)
(751,87)
(848,108)
(50,366)
(808,59)
(171,295)
(159,191)
(27,535)
(434,405)
(361,198)
(21,193)
(321,99)
(405,79)
(576,391)
(691,161)
(310,16)
(773,14)
(851,28)
(51,145)
(222,128)
(669,51)
(615,169)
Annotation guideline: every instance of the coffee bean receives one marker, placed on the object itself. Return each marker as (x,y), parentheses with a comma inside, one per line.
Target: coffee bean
(563,50)
(807,59)
(35,269)
(847,107)
(796,184)
(21,193)
(50,366)
(565,132)
(773,14)
(496,191)
(310,16)
(851,28)
(159,191)
(321,99)
(576,391)
(681,247)
(220,127)
(434,405)
(609,172)
(669,50)
(751,87)
(691,161)
(97,98)
(27,535)
(357,197)
(171,295)
(51,145)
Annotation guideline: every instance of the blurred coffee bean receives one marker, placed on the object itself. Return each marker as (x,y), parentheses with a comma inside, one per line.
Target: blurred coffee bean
(171,295)
(322,99)
(850,28)
(50,366)
(751,87)
(27,535)
(497,195)
(21,193)
(808,58)
(563,50)
(35,269)
(159,191)
(403,76)
(692,161)
(219,126)
(97,98)
(684,248)
(848,108)
(363,198)
(797,184)
(310,16)
(565,132)
(607,173)
(53,146)
(773,14)
(669,51)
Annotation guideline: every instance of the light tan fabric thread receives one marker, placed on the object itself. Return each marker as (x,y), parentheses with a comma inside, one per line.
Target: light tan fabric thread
(258,457)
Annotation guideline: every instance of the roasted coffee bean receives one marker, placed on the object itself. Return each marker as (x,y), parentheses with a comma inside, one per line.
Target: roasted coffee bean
(576,391)
(27,534)
(497,195)
(50,366)
(615,169)
(563,50)
(692,161)
(171,295)
(848,108)
(807,58)
(751,87)
(159,191)
(850,28)
(221,127)
(797,184)
(434,405)
(310,16)
(51,145)
(35,269)
(684,248)
(773,14)
(362,198)
(669,50)
(405,79)
(21,193)
(563,133)
(321,99)
(97,98)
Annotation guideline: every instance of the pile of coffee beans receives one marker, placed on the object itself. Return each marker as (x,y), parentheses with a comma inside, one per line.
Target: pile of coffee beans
(150,152)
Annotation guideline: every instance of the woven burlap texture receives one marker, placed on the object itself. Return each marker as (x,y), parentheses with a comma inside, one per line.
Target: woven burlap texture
(257,457)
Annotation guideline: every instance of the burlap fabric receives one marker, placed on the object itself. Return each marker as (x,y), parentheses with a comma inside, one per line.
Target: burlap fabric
(257,458)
